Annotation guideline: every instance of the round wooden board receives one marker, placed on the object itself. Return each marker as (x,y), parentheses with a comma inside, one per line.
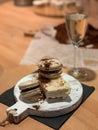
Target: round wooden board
(43,108)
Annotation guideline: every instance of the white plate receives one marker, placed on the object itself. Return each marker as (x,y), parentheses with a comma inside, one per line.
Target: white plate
(46,109)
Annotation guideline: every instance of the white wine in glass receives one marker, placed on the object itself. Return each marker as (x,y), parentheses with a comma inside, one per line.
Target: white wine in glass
(76,25)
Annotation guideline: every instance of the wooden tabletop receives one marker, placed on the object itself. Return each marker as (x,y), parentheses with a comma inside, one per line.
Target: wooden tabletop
(14,21)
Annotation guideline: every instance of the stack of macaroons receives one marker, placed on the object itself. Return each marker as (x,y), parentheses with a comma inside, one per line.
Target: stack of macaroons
(50,68)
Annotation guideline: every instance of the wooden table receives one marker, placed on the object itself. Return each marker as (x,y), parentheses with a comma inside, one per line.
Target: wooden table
(14,21)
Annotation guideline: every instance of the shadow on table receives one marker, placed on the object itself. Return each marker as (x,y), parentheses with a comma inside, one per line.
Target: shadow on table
(90,74)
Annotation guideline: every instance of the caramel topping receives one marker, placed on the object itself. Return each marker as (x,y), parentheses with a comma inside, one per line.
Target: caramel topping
(36,107)
(47,63)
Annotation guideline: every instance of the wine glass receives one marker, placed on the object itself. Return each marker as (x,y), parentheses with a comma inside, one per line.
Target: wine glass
(76,24)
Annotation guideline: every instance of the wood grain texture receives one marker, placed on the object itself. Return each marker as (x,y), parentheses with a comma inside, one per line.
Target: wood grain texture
(14,21)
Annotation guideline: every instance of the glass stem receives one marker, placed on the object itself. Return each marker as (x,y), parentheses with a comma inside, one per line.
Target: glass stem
(75,57)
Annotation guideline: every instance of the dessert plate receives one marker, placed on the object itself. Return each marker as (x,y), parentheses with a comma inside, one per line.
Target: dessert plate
(21,109)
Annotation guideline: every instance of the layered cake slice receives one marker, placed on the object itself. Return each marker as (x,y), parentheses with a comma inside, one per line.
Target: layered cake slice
(56,89)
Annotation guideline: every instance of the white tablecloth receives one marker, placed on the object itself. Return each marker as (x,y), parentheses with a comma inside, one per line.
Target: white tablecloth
(48,46)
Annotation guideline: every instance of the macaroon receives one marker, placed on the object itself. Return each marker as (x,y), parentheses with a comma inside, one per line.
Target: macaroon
(50,67)
(30,90)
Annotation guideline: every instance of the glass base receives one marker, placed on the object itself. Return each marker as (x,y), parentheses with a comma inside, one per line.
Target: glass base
(82,74)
